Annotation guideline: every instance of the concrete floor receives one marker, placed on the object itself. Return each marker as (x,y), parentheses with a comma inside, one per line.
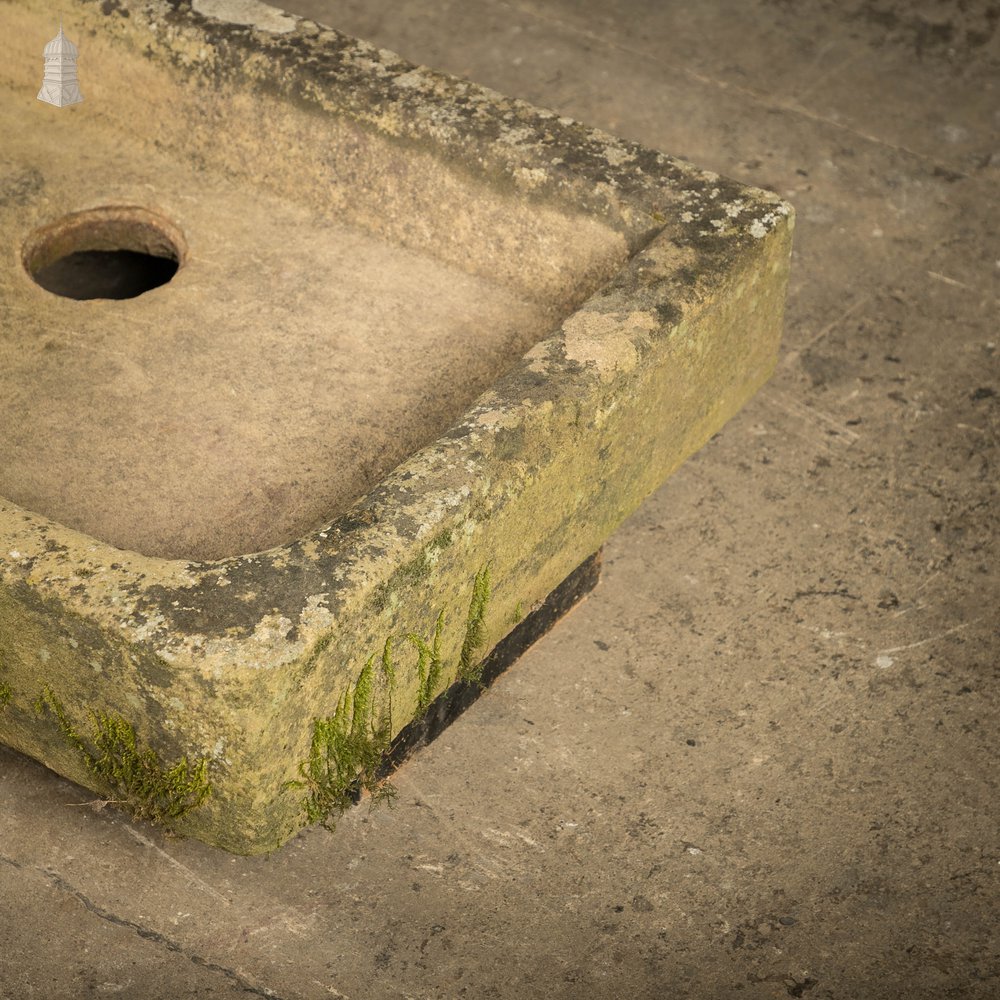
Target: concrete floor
(760,760)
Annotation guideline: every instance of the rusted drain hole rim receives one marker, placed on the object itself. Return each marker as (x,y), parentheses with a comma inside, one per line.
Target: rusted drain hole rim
(113,252)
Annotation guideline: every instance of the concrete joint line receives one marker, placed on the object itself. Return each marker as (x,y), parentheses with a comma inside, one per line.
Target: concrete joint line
(146,933)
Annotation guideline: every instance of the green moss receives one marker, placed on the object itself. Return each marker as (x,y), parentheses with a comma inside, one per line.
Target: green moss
(470,665)
(132,776)
(441,540)
(388,670)
(429,665)
(517,615)
(348,747)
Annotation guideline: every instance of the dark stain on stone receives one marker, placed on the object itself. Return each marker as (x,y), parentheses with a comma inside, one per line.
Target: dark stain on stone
(20,186)
(686,276)
(231,597)
(157,672)
(254,591)
(950,176)
(456,433)
(90,644)
(508,443)
(799,988)
(969,26)
(353,520)
(668,313)
(930,35)
(109,7)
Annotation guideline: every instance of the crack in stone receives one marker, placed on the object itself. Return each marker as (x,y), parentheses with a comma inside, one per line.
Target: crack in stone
(146,933)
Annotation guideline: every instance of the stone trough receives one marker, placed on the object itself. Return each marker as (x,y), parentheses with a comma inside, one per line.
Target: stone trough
(406,352)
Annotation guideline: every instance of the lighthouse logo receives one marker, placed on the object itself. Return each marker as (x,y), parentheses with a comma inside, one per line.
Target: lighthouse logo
(60,86)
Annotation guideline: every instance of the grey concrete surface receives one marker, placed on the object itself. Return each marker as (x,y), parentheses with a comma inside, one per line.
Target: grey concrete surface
(760,760)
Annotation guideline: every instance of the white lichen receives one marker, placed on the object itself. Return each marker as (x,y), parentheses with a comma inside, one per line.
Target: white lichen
(254,13)
(531,177)
(410,81)
(616,156)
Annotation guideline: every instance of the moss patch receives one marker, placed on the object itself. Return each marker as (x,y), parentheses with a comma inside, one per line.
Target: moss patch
(348,747)
(429,664)
(133,776)
(470,664)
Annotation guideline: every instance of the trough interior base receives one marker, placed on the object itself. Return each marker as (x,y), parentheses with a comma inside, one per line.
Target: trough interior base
(289,365)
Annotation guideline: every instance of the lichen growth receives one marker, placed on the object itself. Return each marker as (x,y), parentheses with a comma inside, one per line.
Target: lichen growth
(348,747)
(317,651)
(132,776)
(417,569)
(470,664)
(429,664)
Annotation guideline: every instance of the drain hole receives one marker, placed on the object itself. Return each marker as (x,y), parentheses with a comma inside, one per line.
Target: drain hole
(104,253)
(105,274)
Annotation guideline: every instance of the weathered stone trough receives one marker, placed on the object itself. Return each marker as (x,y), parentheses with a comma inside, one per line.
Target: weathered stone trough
(425,348)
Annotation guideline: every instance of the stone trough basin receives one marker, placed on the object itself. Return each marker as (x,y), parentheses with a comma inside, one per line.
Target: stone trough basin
(417,350)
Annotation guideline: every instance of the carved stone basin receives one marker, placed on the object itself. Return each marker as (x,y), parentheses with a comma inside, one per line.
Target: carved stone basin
(402,354)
